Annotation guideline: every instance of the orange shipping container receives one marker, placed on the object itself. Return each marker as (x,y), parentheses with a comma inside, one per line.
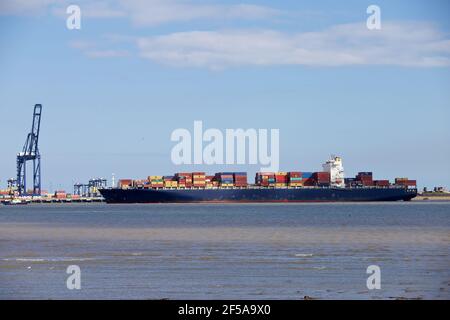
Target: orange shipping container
(124,182)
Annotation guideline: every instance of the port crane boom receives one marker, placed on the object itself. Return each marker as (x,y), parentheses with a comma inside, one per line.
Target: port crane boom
(30,152)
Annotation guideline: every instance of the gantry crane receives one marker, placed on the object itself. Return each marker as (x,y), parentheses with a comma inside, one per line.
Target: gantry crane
(30,152)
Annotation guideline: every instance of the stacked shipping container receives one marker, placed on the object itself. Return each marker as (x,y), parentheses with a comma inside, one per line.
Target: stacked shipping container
(240,179)
(209,182)
(281,179)
(263,179)
(381,183)
(366,179)
(139,183)
(198,179)
(225,179)
(170,182)
(125,183)
(322,178)
(295,179)
(308,179)
(156,181)
(184,179)
(405,182)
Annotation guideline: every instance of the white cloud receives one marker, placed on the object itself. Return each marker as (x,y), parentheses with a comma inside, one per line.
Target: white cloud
(102,9)
(141,12)
(154,12)
(91,9)
(400,44)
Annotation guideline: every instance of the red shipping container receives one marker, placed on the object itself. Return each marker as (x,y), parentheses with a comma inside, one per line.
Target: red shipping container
(382,183)
(295,174)
(364,177)
(125,182)
(366,180)
(408,183)
(321,176)
(309,182)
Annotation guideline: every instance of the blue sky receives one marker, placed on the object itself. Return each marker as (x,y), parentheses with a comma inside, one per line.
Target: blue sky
(113,91)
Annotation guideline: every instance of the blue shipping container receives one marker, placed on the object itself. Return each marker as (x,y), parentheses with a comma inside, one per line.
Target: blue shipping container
(307,175)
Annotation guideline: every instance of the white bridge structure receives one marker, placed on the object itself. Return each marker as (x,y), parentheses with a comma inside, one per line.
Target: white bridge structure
(335,168)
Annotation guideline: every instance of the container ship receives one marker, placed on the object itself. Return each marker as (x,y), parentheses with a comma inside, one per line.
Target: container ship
(329,185)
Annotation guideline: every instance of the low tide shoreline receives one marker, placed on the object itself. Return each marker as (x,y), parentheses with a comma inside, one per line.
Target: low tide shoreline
(419,197)
(432,197)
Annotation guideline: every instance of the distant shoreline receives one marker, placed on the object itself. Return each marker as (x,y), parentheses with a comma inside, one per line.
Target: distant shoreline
(432,198)
(420,197)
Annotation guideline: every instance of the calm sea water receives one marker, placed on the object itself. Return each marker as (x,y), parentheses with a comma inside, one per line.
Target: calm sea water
(225,251)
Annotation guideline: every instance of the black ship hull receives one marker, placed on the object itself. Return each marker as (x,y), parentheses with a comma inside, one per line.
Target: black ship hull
(257,195)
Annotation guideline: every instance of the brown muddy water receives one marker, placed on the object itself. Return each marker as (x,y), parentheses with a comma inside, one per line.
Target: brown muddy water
(273,251)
